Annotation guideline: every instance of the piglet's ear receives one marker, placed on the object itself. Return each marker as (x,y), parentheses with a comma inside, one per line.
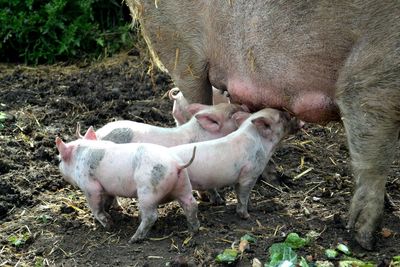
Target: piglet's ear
(63,149)
(239,117)
(60,144)
(90,134)
(196,107)
(263,126)
(209,122)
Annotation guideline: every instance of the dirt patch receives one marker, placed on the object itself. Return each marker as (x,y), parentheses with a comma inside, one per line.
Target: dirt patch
(55,226)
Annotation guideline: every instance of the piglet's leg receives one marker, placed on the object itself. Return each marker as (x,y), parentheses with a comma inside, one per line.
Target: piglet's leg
(189,206)
(215,197)
(148,213)
(97,200)
(242,193)
(183,194)
(212,196)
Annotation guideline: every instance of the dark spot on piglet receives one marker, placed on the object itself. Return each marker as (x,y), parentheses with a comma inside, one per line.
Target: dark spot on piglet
(157,174)
(94,158)
(119,135)
(137,158)
(259,155)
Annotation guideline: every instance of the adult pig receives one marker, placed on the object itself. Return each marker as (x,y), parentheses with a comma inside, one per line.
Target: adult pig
(320,60)
(104,170)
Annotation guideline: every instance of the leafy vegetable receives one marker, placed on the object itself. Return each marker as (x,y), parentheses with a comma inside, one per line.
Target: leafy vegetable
(228,256)
(396,261)
(3,116)
(343,248)
(281,254)
(331,253)
(249,238)
(295,241)
(352,262)
(303,262)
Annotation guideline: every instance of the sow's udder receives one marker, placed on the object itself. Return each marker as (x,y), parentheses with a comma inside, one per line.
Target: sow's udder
(310,105)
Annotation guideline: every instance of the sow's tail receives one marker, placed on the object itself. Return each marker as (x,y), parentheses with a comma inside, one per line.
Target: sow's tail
(190,161)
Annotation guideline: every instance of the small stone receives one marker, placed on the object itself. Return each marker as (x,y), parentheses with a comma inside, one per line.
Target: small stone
(386,232)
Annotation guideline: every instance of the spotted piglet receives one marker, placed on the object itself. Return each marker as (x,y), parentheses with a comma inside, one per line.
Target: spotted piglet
(104,170)
(208,122)
(239,158)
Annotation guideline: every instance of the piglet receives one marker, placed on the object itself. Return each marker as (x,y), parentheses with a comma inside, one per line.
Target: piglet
(239,158)
(149,172)
(208,122)
(180,110)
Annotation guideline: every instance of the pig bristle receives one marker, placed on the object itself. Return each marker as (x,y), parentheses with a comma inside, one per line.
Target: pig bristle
(190,70)
(158,33)
(251,59)
(176,58)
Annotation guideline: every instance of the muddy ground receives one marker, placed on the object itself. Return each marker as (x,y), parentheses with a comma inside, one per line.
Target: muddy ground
(45,221)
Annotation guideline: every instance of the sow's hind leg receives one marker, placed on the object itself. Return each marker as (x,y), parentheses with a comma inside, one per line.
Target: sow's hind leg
(369,100)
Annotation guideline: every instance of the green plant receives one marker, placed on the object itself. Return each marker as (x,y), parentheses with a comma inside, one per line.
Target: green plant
(19,240)
(45,31)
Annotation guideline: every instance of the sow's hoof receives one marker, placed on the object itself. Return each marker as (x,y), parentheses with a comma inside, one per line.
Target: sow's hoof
(134,240)
(365,240)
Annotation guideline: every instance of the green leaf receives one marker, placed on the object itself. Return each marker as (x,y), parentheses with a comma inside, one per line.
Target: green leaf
(228,256)
(295,241)
(44,218)
(19,240)
(3,116)
(396,261)
(303,262)
(331,253)
(39,262)
(281,254)
(249,238)
(324,264)
(353,262)
(100,41)
(343,248)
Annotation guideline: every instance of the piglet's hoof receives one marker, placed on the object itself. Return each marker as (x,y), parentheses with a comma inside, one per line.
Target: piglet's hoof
(217,201)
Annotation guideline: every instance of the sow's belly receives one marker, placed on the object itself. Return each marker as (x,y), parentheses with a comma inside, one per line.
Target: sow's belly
(310,104)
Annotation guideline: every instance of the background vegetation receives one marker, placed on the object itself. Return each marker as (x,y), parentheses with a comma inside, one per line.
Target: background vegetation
(45,31)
